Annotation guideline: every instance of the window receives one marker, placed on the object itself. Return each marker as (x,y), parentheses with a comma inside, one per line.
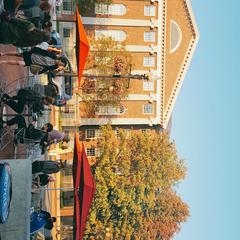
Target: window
(93,133)
(149,36)
(149,11)
(98,152)
(101,9)
(175,36)
(113,9)
(148,85)
(116,35)
(148,109)
(149,61)
(126,131)
(145,130)
(69,108)
(111,110)
(91,152)
(66,32)
(67,6)
(67,199)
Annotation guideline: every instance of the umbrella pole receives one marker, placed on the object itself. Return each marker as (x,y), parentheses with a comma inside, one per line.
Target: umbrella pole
(58,189)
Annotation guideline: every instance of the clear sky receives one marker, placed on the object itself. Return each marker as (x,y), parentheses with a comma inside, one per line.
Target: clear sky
(206,123)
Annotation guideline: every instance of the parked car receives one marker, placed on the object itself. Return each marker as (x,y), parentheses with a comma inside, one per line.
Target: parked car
(5,191)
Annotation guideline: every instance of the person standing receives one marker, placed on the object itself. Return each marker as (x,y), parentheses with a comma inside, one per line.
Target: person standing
(21,33)
(41,59)
(26,96)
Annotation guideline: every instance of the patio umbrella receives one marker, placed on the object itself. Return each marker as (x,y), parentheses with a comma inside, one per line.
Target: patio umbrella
(84,188)
(82,46)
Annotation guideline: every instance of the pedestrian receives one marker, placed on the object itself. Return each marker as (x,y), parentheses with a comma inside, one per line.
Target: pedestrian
(27,132)
(42,180)
(21,33)
(26,96)
(14,5)
(41,219)
(39,60)
(46,166)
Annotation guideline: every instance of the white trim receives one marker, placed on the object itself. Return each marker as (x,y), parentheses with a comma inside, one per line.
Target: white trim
(115,121)
(141,97)
(159,61)
(141,48)
(116,22)
(179,80)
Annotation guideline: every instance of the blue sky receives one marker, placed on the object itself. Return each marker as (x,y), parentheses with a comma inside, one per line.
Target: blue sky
(206,125)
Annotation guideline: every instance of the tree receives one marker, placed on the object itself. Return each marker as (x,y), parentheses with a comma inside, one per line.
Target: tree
(107,59)
(134,199)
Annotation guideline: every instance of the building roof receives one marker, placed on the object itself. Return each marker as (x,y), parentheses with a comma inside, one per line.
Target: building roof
(180,39)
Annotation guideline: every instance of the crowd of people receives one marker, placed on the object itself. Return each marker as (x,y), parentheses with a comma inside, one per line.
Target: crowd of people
(21,28)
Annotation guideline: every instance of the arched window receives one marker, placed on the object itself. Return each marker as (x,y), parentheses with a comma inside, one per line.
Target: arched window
(175,36)
(112,9)
(116,35)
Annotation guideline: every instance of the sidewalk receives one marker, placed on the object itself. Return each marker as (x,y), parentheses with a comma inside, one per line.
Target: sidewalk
(18,225)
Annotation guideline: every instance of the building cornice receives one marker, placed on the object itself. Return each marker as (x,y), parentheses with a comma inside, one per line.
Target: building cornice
(166,112)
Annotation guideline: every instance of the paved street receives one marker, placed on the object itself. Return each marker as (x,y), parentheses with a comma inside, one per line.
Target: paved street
(8,76)
(11,79)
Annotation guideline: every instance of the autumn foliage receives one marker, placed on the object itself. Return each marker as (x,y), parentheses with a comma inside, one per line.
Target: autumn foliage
(135,199)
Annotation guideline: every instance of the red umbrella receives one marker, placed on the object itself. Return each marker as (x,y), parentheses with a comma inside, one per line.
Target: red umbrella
(82,46)
(84,189)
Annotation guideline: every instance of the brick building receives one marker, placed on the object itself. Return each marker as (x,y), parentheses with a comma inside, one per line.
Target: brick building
(161,36)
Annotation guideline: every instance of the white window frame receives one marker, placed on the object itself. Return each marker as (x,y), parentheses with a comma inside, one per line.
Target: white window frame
(112,9)
(111,110)
(149,36)
(92,133)
(68,30)
(148,85)
(102,9)
(116,35)
(98,152)
(91,152)
(145,108)
(69,8)
(150,11)
(149,61)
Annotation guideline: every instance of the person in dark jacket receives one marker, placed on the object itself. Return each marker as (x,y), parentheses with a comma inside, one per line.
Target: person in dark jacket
(41,219)
(21,33)
(26,96)
(42,180)
(46,166)
(27,132)
(43,59)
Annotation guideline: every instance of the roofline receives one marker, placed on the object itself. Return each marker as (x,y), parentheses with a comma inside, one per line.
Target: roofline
(184,66)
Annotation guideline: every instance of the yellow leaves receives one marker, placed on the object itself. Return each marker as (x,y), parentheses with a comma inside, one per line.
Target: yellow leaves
(134,178)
